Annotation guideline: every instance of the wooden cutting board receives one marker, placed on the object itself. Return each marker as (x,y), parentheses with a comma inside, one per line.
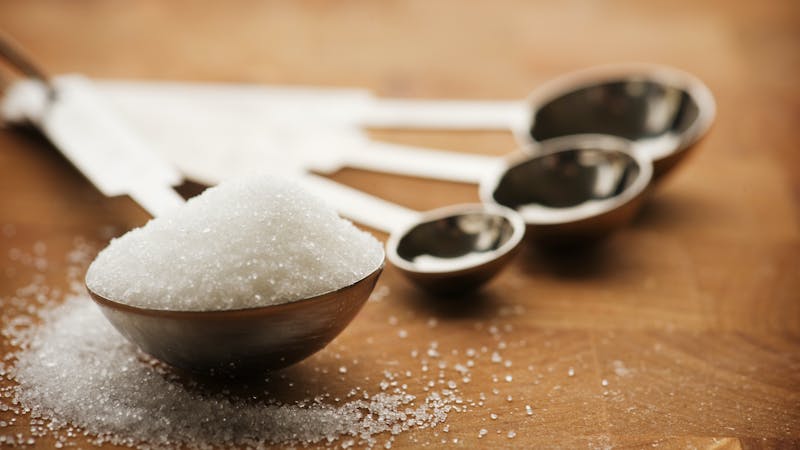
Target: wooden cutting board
(681,331)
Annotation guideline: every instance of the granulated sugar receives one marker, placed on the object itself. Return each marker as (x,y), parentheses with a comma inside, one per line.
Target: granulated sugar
(245,243)
(77,370)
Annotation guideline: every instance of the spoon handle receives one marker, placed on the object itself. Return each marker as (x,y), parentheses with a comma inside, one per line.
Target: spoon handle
(419,162)
(446,114)
(359,206)
(97,142)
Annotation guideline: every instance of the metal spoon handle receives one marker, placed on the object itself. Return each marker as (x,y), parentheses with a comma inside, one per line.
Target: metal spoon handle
(419,162)
(358,206)
(446,114)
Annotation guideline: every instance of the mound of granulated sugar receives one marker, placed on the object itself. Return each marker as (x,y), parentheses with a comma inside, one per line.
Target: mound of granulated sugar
(249,242)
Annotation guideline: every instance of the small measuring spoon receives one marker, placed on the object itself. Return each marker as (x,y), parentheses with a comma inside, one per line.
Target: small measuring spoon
(446,250)
(575,188)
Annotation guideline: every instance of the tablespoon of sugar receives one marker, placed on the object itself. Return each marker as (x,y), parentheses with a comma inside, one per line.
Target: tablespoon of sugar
(113,158)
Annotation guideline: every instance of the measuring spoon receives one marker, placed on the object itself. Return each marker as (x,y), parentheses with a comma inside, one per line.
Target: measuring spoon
(234,340)
(446,250)
(574,189)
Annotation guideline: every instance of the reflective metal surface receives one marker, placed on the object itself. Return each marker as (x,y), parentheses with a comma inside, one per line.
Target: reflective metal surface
(576,187)
(237,341)
(456,248)
(634,109)
(664,111)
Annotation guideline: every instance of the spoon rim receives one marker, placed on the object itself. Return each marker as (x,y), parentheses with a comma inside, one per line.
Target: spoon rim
(580,212)
(516,221)
(228,313)
(608,73)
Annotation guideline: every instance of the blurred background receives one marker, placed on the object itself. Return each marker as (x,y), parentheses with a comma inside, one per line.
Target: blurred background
(745,51)
(699,294)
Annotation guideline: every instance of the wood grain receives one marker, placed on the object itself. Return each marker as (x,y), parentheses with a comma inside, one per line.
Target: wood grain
(691,314)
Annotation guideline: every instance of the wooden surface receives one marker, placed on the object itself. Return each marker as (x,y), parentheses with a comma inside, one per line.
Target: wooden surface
(691,314)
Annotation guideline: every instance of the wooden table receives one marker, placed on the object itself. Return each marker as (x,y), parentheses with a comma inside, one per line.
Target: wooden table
(691,314)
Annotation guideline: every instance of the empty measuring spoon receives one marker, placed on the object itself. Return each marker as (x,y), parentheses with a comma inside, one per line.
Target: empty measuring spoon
(663,111)
(450,249)
(574,188)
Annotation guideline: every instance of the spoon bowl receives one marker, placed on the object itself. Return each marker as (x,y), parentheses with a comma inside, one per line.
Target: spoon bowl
(447,250)
(575,188)
(663,111)
(234,341)
(456,248)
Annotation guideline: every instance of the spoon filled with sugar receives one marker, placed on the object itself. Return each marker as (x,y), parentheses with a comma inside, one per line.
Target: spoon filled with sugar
(255,273)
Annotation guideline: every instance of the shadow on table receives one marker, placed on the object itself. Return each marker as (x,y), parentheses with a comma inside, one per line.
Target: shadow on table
(677,212)
(585,260)
(481,304)
(292,384)
(662,216)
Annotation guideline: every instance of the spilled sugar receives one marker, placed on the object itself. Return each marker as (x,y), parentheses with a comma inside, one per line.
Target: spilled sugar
(248,242)
(77,370)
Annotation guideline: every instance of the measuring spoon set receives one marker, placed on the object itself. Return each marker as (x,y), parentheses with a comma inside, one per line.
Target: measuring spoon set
(591,144)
